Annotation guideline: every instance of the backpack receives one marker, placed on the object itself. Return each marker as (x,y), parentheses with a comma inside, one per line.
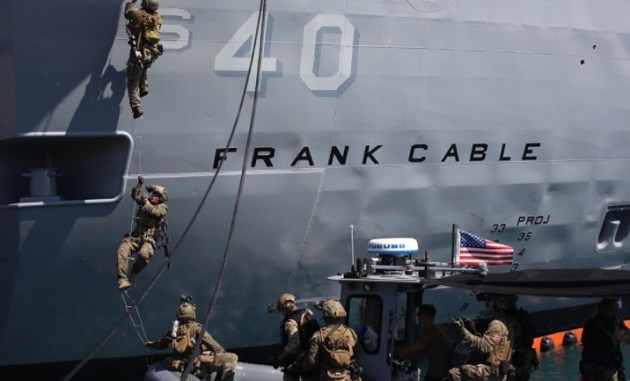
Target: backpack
(183,343)
(337,348)
(151,28)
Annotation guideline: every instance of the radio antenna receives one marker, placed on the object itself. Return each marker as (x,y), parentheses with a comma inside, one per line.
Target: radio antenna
(352,243)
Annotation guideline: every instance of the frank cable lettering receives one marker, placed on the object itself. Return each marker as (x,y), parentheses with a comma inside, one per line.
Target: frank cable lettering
(265,157)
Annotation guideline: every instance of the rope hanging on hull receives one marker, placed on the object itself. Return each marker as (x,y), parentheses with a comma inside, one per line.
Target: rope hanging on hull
(260,28)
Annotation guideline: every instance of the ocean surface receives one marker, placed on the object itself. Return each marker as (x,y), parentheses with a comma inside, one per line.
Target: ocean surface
(562,363)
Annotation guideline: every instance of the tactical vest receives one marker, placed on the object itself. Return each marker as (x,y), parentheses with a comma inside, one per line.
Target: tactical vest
(307,326)
(150,228)
(151,27)
(183,345)
(338,347)
(146,26)
(501,352)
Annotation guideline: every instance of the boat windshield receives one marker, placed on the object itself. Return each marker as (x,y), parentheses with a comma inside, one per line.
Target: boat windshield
(364,316)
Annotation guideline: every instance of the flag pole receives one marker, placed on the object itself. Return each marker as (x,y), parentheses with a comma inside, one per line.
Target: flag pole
(453,244)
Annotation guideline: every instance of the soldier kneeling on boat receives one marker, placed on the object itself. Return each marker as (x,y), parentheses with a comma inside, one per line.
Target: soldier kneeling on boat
(494,345)
(213,358)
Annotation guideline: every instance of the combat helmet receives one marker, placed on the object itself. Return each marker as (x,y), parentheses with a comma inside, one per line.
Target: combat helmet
(283,300)
(151,5)
(160,191)
(331,308)
(607,306)
(496,326)
(186,311)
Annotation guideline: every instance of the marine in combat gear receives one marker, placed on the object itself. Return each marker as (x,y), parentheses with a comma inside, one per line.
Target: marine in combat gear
(434,341)
(332,348)
(603,333)
(503,307)
(148,233)
(181,339)
(296,329)
(143,29)
(496,348)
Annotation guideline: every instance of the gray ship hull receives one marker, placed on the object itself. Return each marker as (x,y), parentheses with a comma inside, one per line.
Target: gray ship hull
(400,118)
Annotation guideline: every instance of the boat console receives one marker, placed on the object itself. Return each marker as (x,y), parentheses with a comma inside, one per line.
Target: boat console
(381,294)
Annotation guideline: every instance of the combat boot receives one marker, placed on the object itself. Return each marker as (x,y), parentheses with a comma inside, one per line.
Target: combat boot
(137,111)
(123,284)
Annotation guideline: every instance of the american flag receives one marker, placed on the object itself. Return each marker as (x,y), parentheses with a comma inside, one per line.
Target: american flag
(472,250)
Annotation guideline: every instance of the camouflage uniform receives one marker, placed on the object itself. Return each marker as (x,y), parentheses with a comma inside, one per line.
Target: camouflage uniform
(141,20)
(296,330)
(332,348)
(497,355)
(213,357)
(151,213)
(293,343)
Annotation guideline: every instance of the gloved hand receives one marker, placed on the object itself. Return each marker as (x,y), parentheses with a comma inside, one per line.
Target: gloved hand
(149,344)
(292,369)
(461,325)
(469,325)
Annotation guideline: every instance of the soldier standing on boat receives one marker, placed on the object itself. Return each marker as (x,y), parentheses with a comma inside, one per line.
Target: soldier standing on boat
(434,341)
(149,232)
(144,37)
(332,348)
(185,331)
(601,338)
(496,348)
(296,330)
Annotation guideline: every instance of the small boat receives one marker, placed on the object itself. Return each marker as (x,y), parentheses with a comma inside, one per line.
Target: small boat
(381,294)
(159,371)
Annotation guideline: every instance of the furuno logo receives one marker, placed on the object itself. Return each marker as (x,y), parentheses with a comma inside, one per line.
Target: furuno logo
(386,246)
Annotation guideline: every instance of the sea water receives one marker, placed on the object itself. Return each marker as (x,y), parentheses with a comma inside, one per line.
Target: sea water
(562,363)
